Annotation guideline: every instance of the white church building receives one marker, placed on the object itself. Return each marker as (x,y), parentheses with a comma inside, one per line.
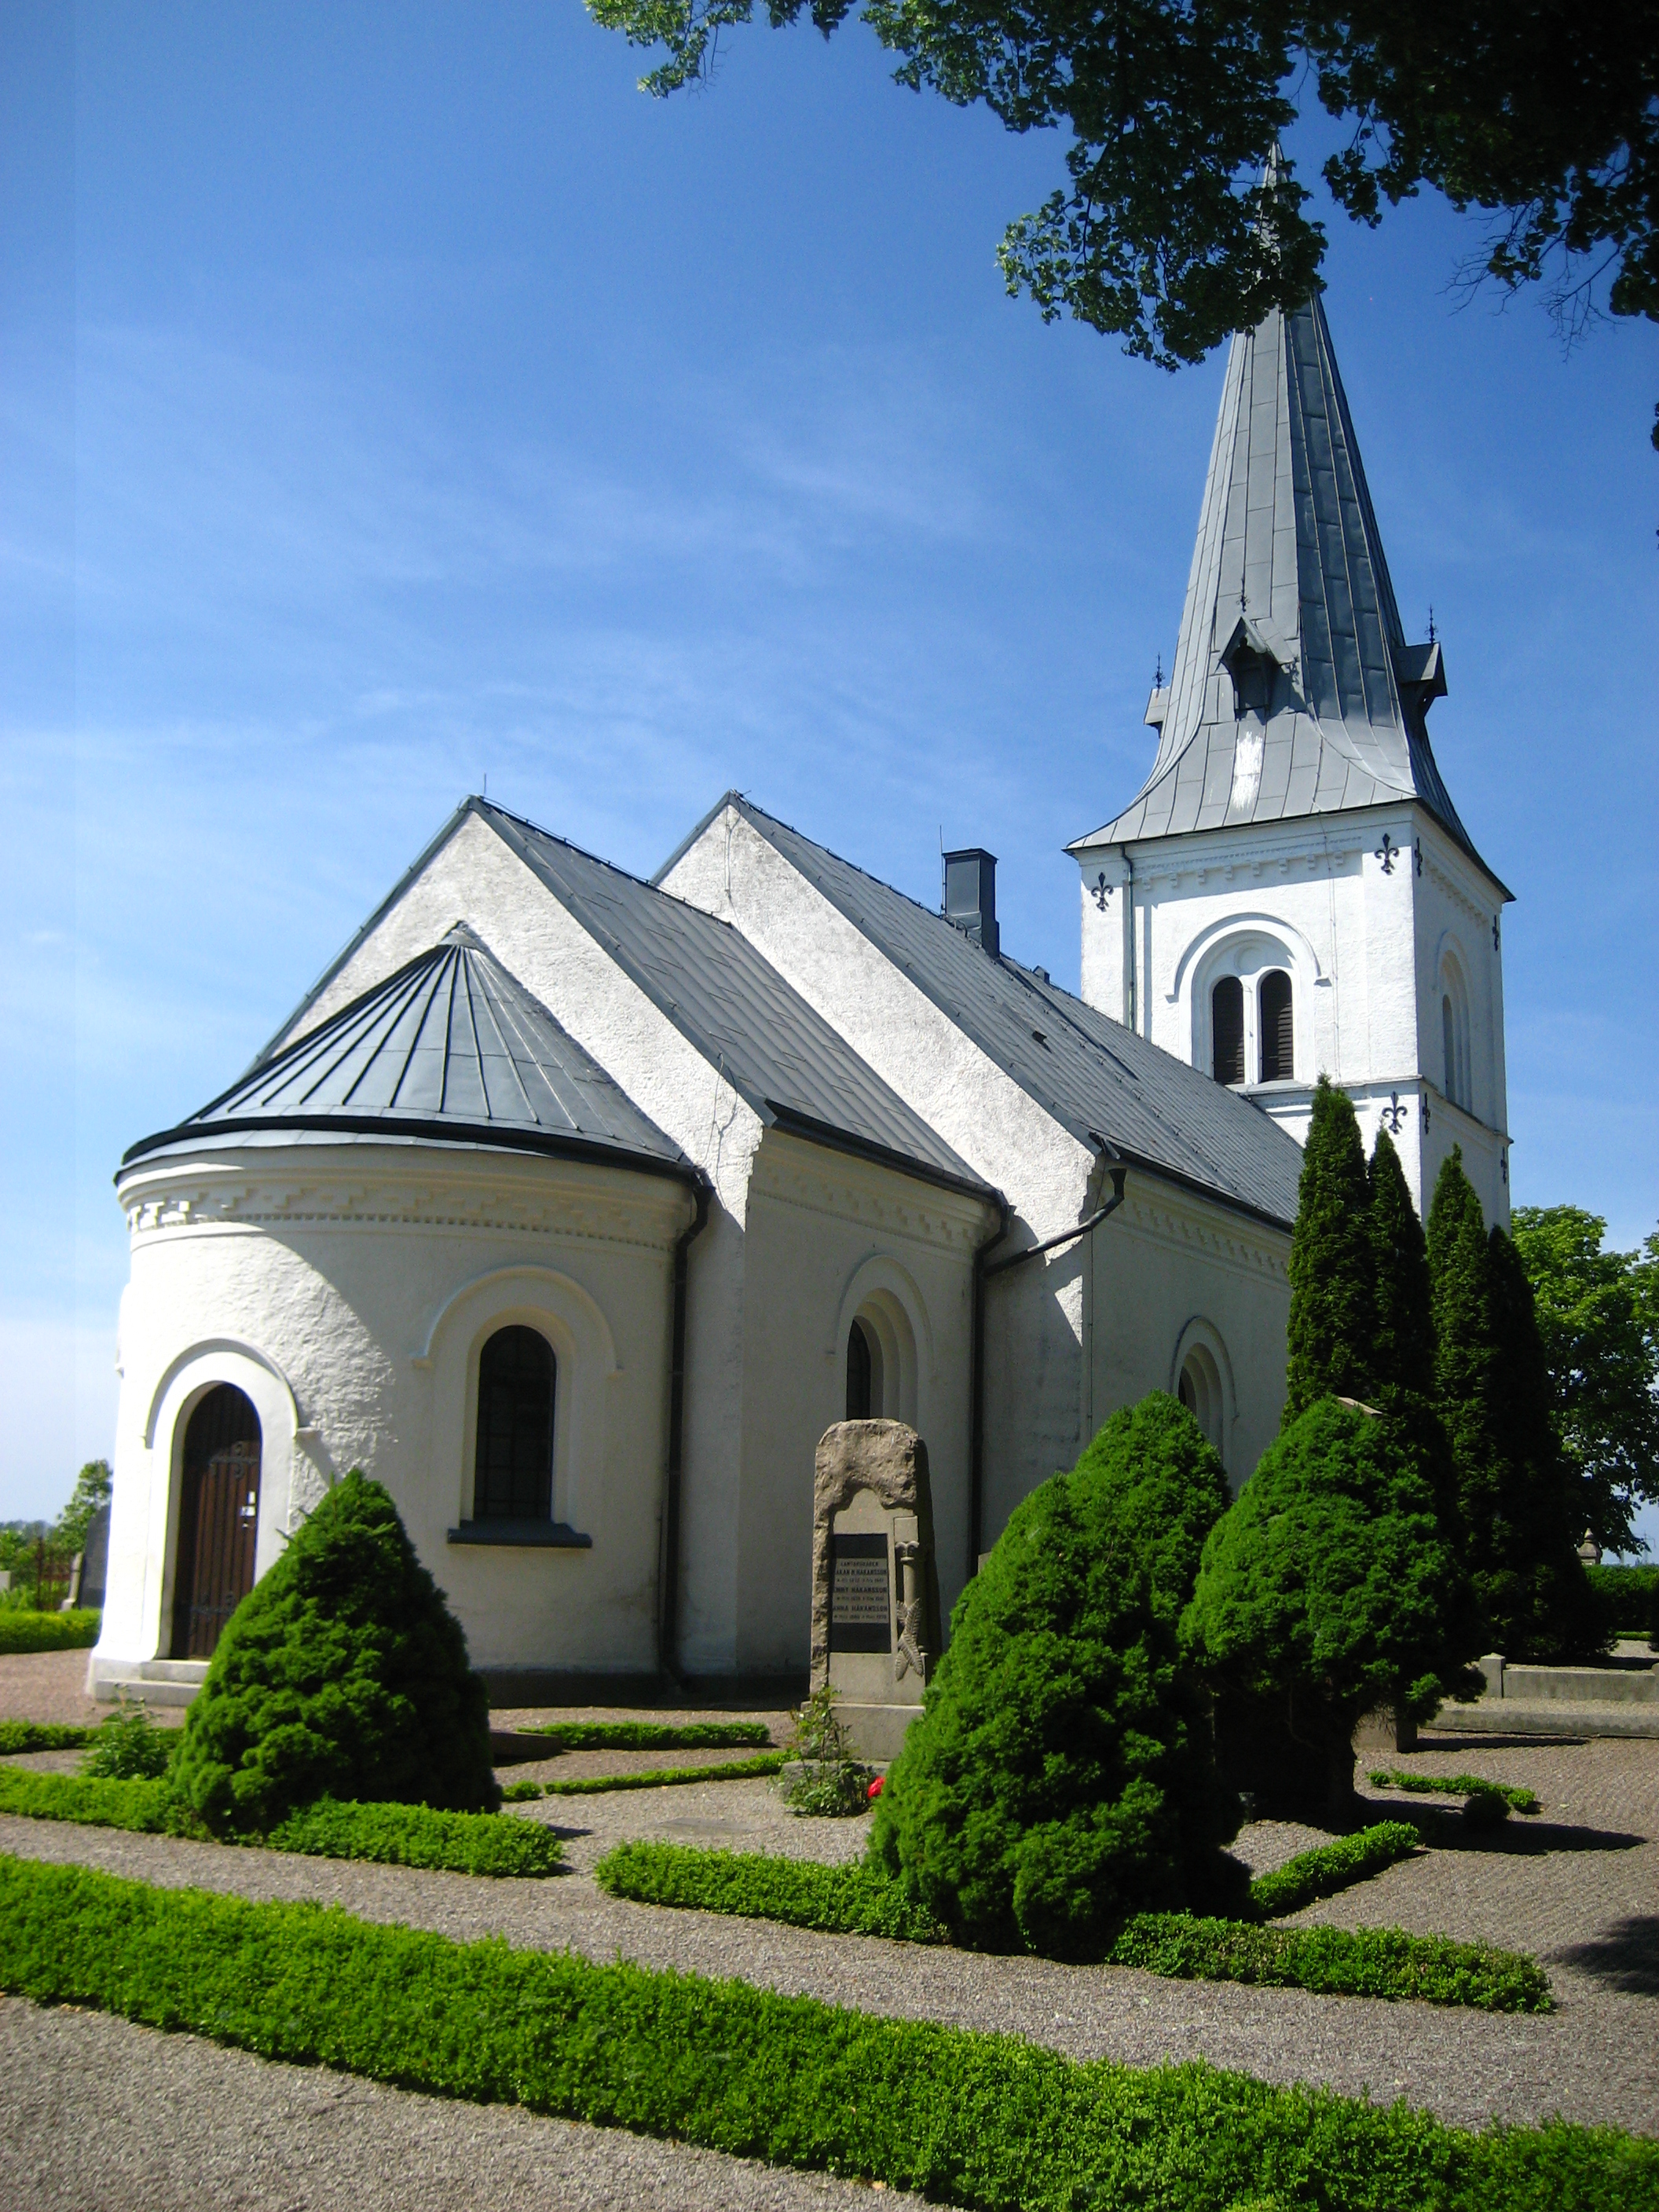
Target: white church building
(574,1207)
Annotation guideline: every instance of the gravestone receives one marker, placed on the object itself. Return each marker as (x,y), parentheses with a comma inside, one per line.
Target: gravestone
(94,1561)
(875,1591)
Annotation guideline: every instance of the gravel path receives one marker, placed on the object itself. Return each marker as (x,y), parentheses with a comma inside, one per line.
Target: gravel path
(101,2113)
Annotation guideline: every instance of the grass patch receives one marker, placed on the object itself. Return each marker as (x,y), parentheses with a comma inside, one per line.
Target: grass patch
(1455,1785)
(393,1835)
(854,1900)
(42,1735)
(656,1777)
(1331,1866)
(648,1736)
(48,1632)
(981,2121)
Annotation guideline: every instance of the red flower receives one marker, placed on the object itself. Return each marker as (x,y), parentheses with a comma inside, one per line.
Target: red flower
(874,1790)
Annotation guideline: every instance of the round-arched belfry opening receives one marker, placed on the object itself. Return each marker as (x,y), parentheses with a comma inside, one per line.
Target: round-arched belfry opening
(218,1518)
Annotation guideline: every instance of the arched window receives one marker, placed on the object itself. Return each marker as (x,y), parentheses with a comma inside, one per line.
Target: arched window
(1448,1043)
(1227,1030)
(1276,1032)
(861,1389)
(514,1474)
(1198,1388)
(218,1519)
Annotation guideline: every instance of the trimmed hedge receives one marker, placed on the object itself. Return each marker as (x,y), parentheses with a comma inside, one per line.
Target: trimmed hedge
(855,1900)
(1628,1596)
(852,1899)
(42,1735)
(1331,1866)
(1455,1785)
(648,1736)
(393,1835)
(662,1777)
(976,2120)
(48,1632)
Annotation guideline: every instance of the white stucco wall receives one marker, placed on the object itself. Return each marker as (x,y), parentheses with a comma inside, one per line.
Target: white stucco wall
(1363,933)
(348,1288)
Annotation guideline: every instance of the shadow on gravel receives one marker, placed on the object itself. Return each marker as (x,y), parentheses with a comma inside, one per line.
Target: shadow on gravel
(1519,1836)
(1624,1957)
(1460,1742)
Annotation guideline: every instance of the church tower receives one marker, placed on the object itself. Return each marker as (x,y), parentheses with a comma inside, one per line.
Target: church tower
(1292,893)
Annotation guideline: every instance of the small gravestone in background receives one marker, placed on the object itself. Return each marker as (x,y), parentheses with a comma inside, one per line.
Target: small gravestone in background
(92,1565)
(875,1592)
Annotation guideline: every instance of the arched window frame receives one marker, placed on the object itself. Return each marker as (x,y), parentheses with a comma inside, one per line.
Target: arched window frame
(1229,1031)
(884,1297)
(1270,1023)
(1202,1360)
(1453,999)
(1249,947)
(505,1337)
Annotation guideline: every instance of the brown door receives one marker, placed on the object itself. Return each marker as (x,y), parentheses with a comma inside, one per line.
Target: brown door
(218,1517)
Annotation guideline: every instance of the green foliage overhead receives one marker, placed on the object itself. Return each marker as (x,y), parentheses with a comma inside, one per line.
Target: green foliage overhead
(1332,1267)
(958,2116)
(1401,1353)
(343,1673)
(92,1489)
(1329,1588)
(1599,1323)
(1060,1775)
(1544,116)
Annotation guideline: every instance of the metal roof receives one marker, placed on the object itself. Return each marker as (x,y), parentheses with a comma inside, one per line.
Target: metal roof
(450,1047)
(1288,565)
(777,1052)
(1098,1080)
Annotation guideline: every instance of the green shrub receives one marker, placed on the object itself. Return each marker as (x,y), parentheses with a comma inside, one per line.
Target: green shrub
(521,1793)
(1060,1775)
(129,1747)
(342,1672)
(1333,1324)
(853,1900)
(1331,1866)
(1328,1585)
(1360,1962)
(41,1735)
(49,1632)
(419,1836)
(1628,1596)
(395,1835)
(961,2116)
(663,1778)
(648,1736)
(1515,1800)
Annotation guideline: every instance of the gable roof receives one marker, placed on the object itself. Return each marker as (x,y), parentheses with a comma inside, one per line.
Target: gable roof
(1289,566)
(779,1055)
(450,1047)
(1100,1081)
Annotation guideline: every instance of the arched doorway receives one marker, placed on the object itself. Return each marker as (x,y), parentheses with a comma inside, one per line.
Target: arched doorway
(218,1519)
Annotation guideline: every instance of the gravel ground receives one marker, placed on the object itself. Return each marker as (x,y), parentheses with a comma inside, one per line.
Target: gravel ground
(101,2114)
(51,1685)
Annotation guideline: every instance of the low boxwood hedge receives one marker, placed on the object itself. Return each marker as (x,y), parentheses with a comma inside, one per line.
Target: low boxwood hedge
(48,1632)
(662,1777)
(1331,1866)
(648,1736)
(964,2117)
(856,1899)
(394,1835)
(1455,1785)
(42,1735)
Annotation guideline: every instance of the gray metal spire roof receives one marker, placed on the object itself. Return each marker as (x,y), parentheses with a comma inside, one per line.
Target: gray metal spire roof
(1098,1080)
(1289,594)
(450,1047)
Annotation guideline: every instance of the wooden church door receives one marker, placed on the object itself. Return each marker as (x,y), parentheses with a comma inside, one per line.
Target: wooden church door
(218,1518)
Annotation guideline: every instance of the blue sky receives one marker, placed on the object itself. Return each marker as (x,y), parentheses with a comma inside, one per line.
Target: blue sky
(395,398)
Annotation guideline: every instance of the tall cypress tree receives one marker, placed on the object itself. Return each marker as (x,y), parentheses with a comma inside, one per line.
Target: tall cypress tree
(1402,1342)
(1333,1271)
(1490,1377)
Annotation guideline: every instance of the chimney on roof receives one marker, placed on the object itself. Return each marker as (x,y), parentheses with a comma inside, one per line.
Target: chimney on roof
(970,894)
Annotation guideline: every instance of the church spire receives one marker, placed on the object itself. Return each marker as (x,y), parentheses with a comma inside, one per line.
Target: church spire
(1293,691)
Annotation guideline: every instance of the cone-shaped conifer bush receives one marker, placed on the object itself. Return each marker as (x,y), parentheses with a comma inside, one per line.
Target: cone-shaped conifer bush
(1060,1775)
(1332,1273)
(1329,1586)
(341,1674)
(1514,1491)
(1402,1337)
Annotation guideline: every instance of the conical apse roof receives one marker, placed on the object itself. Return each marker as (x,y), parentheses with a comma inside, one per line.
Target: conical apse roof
(1289,592)
(450,1047)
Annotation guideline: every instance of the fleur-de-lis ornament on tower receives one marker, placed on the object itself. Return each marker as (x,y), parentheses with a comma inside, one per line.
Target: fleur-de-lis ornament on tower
(1394,1115)
(1101,891)
(1387,852)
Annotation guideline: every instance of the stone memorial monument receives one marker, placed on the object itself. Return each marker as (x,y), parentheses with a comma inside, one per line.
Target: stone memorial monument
(875,1591)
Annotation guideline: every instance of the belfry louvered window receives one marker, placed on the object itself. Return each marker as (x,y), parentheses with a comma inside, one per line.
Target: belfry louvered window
(515,1467)
(1227,1030)
(1277,1030)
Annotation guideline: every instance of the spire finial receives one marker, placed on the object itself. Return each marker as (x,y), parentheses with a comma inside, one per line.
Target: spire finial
(1431,628)
(1157,674)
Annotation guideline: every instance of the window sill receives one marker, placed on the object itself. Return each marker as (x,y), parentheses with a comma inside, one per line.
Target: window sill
(530,1535)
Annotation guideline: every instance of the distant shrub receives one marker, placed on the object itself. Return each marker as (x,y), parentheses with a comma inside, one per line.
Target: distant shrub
(48,1632)
(342,1672)
(41,1735)
(648,1735)
(1060,1775)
